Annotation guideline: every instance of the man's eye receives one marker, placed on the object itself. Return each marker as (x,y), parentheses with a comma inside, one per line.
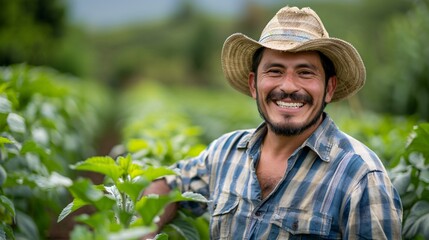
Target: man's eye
(306,73)
(274,72)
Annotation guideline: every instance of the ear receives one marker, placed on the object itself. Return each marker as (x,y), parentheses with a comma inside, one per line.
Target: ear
(252,84)
(330,88)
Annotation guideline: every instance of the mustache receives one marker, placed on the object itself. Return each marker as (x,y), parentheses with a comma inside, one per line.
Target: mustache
(279,95)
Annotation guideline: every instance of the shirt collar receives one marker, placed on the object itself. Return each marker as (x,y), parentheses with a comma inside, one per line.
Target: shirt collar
(320,141)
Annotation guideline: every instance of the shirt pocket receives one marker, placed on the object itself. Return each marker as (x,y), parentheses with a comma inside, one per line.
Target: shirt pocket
(302,224)
(222,216)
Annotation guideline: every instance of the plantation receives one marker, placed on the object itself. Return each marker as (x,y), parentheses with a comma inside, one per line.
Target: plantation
(89,117)
(50,124)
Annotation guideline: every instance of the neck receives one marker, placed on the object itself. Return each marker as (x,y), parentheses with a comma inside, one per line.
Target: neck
(281,145)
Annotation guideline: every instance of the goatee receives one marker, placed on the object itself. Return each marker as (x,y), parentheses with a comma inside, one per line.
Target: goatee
(289,129)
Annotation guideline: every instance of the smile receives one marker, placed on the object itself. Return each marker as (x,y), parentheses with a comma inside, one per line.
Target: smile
(290,105)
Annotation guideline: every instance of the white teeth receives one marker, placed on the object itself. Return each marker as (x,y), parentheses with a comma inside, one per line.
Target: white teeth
(289,105)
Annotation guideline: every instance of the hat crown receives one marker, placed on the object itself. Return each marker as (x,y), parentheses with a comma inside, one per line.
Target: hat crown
(294,25)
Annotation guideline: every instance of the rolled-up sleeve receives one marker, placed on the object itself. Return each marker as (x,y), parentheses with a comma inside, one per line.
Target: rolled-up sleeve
(193,176)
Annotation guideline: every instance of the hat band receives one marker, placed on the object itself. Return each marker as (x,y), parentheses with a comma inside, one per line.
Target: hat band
(286,35)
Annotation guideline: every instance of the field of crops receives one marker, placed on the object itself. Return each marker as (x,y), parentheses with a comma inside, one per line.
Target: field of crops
(52,126)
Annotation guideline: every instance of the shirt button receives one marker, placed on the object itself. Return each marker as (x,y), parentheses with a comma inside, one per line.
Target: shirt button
(258,213)
(295,225)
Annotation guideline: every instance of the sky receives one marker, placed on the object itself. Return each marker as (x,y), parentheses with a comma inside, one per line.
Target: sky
(108,13)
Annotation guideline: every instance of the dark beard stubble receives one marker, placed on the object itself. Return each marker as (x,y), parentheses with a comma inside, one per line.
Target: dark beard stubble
(284,129)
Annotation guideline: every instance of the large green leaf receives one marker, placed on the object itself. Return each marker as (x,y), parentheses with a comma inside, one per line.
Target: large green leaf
(27,226)
(420,141)
(5,105)
(4,140)
(6,232)
(8,205)
(53,180)
(83,189)
(190,196)
(31,146)
(417,222)
(71,207)
(16,123)
(152,173)
(124,162)
(402,181)
(103,165)
(100,221)
(131,233)
(161,236)
(184,226)
(3,175)
(133,189)
(151,206)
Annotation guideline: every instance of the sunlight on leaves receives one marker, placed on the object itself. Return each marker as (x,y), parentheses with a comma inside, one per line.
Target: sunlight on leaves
(103,165)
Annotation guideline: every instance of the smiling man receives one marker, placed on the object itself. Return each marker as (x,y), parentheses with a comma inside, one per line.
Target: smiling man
(296,176)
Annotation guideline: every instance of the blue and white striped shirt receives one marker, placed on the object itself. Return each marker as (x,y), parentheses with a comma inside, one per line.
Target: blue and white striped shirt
(334,188)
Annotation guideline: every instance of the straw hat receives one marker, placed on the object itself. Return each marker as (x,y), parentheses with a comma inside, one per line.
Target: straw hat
(294,30)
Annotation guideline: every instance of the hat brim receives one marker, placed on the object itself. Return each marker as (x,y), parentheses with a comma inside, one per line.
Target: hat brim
(238,51)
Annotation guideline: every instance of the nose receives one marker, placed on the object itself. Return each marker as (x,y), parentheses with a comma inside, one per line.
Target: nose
(289,83)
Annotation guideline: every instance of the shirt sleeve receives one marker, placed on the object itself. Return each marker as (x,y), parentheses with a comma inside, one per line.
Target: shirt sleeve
(193,176)
(373,210)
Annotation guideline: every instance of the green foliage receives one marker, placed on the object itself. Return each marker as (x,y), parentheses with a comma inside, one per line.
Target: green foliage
(180,49)
(155,129)
(187,227)
(28,29)
(47,121)
(410,175)
(157,132)
(404,66)
(384,134)
(36,32)
(120,211)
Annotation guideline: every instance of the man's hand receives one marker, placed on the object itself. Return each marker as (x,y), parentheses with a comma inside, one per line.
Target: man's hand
(161,187)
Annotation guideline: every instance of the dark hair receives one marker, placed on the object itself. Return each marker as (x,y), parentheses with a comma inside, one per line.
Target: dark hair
(256,59)
(327,64)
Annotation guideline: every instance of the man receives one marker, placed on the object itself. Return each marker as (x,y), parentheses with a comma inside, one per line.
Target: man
(297,175)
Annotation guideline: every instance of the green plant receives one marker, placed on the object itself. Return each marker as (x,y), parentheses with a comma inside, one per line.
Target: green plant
(121,212)
(48,120)
(386,135)
(7,208)
(157,132)
(410,175)
(154,128)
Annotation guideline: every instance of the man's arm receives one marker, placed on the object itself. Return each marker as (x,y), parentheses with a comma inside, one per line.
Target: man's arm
(160,187)
(374,209)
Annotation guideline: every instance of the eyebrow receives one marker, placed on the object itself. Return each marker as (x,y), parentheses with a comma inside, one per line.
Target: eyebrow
(300,65)
(270,65)
(307,65)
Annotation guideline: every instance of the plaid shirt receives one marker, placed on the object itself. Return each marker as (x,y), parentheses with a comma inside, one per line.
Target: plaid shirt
(334,188)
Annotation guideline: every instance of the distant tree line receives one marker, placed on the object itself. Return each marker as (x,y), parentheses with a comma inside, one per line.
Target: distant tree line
(184,48)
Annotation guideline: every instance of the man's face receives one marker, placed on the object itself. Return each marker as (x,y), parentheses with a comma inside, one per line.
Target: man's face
(291,91)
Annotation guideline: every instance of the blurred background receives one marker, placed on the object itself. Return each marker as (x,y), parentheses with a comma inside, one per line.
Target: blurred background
(178,43)
(80,78)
